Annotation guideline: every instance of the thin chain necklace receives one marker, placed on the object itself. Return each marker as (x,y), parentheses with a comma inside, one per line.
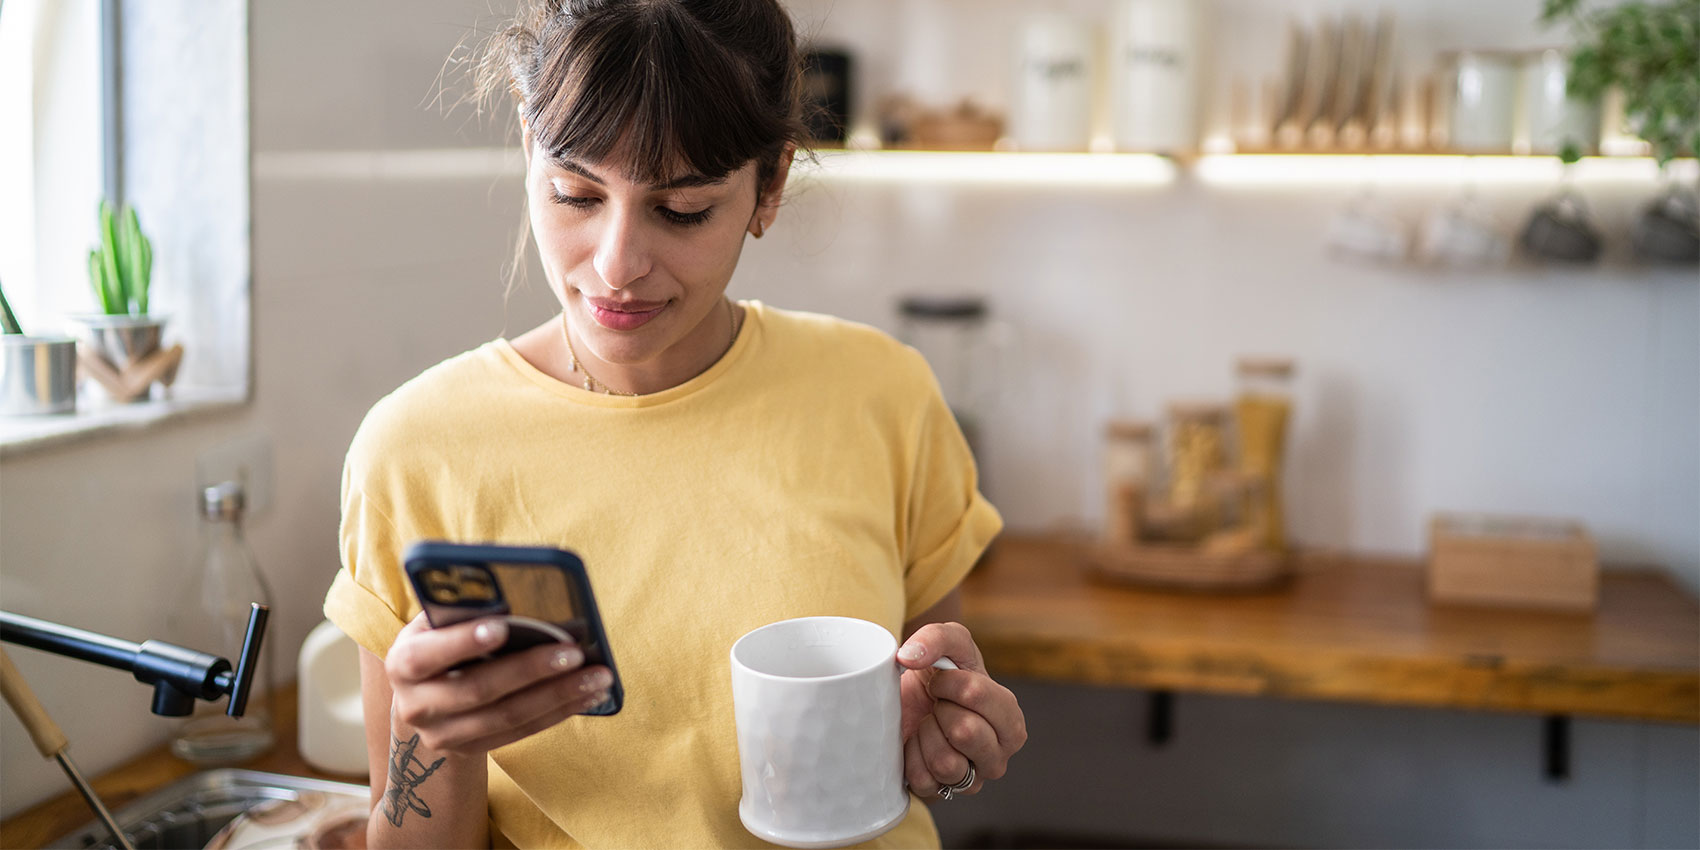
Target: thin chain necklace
(595,386)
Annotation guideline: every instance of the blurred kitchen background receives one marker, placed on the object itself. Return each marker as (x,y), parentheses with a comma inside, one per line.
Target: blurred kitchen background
(1155,191)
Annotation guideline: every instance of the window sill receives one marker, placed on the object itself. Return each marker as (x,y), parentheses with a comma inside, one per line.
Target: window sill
(23,434)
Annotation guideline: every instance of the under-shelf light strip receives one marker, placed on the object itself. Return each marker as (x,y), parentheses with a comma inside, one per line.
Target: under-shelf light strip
(1326,169)
(1043,169)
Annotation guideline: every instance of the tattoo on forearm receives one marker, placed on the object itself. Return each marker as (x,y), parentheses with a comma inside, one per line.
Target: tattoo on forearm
(407,772)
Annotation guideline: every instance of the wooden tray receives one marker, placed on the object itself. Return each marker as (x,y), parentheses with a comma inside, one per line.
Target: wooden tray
(1182,567)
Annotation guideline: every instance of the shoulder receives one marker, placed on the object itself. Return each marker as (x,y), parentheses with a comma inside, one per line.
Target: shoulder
(851,352)
(421,413)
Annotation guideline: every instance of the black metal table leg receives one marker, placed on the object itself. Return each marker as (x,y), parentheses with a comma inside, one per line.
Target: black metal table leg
(1557,747)
(1160,722)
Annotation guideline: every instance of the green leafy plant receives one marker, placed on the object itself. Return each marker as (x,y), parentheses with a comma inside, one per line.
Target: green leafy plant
(121,267)
(8,322)
(1651,51)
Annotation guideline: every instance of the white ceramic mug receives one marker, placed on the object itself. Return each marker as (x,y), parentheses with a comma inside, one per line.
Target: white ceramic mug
(819,746)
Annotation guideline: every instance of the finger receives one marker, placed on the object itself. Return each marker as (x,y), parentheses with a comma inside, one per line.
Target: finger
(969,734)
(486,682)
(580,705)
(933,641)
(506,717)
(427,652)
(988,699)
(915,768)
(946,765)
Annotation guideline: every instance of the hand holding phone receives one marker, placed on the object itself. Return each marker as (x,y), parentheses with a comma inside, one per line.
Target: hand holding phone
(542,594)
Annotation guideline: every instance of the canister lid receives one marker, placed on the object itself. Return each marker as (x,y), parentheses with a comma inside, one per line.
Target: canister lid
(224,500)
(964,307)
(1128,429)
(1195,410)
(1278,367)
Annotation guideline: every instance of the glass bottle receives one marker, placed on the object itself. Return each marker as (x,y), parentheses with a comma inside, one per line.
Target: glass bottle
(952,333)
(212,616)
(1260,414)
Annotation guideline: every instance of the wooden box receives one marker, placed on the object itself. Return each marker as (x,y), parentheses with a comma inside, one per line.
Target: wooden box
(1512,561)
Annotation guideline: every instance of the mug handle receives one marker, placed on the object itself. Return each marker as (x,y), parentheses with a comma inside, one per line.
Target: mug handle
(945,664)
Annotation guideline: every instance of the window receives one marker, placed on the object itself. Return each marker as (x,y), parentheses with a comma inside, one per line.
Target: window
(183,152)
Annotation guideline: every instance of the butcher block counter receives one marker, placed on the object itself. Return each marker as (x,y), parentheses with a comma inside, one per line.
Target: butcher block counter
(1343,628)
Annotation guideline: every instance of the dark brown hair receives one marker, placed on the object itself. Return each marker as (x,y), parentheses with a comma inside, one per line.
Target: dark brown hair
(670,87)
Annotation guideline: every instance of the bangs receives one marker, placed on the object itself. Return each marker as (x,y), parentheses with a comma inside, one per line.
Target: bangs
(647,89)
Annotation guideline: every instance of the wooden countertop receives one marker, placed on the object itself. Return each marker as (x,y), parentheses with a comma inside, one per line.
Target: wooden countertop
(1345,628)
(148,772)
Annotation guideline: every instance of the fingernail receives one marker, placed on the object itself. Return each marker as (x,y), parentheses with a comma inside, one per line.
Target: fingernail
(912,652)
(566,659)
(597,681)
(600,698)
(491,633)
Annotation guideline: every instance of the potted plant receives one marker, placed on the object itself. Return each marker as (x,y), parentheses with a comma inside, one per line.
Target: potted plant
(37,374)
(124,333)
(1649,51)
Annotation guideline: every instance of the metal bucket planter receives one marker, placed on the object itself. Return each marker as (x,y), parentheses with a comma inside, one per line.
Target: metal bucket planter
(122,341)
(38,375)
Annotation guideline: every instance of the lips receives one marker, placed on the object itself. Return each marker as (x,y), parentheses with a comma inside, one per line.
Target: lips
(624,315)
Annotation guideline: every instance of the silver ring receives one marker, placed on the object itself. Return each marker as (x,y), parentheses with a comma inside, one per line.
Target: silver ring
(949,792)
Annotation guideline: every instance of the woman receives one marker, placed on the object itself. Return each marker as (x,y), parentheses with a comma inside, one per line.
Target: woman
(718,465)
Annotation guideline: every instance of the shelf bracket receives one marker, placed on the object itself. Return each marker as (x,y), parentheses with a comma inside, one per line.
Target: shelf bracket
(1160,718)
(1556,746)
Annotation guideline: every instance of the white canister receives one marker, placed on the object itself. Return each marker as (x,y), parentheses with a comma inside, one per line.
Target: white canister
(1053,91)
(331,721)
(1550,116)
(1154,75)
(1484,102)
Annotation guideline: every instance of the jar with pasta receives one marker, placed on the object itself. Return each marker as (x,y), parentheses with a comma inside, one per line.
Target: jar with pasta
(1261,411)
(1196,455)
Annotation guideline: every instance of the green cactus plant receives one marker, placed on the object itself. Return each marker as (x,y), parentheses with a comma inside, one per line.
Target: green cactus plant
(121,268)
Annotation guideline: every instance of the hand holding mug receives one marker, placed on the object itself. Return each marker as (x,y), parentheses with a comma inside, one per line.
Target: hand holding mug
(959,727)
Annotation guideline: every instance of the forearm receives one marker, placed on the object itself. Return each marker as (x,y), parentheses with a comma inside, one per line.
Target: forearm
(430,799)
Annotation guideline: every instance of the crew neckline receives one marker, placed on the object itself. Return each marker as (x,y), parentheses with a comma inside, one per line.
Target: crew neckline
(755,315)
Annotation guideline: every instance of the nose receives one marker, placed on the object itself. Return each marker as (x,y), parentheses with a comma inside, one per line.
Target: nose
(622,254)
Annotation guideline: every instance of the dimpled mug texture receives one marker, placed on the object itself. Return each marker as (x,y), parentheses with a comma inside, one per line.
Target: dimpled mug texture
(817,711)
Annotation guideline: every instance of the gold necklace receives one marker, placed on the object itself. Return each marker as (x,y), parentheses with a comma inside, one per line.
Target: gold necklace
(595,386)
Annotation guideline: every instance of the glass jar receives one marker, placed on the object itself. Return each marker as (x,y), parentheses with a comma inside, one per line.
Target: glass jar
(1127,475)
(1261,412)
(1196,454)
(212,616)
(951,333)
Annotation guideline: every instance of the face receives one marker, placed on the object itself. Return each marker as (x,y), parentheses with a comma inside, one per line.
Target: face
(640,268)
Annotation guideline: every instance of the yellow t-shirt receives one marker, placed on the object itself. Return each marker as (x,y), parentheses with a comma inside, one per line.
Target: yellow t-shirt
(815,469)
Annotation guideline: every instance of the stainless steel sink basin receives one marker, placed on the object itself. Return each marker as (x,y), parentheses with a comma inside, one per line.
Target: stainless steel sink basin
(189,812)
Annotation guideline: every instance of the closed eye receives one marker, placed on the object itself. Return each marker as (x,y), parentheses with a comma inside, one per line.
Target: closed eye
(575,201)
(685,219)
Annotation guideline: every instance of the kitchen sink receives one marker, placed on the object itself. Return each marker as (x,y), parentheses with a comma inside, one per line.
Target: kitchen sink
(191,811)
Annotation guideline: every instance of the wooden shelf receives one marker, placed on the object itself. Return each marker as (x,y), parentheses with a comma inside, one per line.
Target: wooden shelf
(1345,628)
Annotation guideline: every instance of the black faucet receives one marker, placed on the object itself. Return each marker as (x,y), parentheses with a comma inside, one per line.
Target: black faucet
(179,675)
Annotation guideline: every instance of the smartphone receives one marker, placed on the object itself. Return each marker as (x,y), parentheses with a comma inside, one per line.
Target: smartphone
(544,594)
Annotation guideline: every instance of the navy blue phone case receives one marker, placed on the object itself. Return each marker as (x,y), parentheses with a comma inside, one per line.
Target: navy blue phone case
(456,582)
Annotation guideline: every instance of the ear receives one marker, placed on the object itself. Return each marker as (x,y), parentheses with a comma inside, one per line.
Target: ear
(767,203)
(525,137)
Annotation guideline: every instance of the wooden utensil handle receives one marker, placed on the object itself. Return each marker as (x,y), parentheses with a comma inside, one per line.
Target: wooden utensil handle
(49,740)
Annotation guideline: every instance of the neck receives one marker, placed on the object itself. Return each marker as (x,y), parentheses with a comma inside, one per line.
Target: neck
(690,357)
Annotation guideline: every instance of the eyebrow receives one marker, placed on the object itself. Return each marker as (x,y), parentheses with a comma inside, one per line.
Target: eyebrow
(685,182)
